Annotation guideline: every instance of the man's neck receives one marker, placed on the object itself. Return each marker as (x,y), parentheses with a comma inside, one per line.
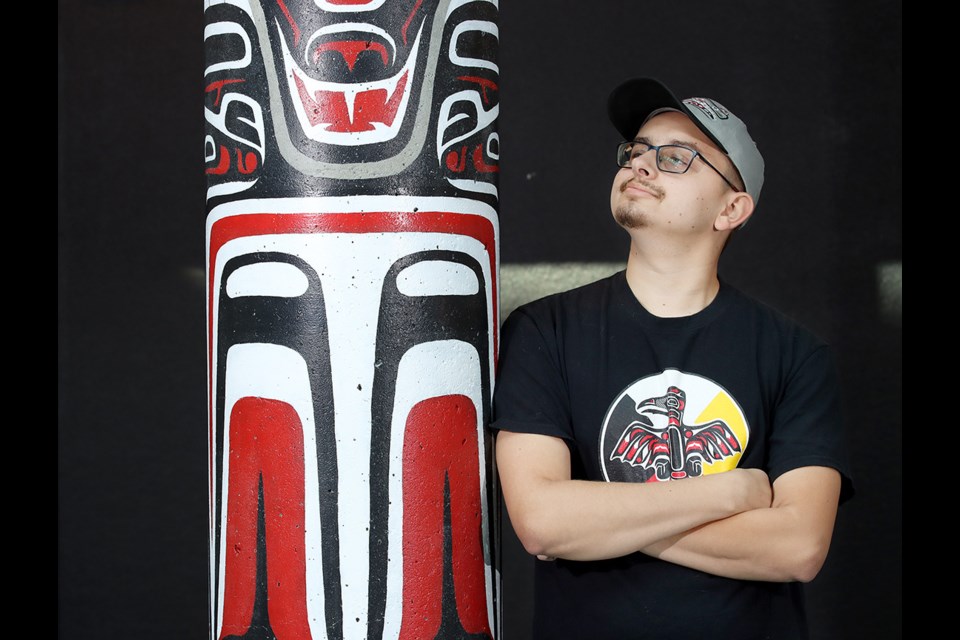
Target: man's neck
(672,286)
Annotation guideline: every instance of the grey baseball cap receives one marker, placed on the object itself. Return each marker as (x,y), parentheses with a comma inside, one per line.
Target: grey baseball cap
(635,101)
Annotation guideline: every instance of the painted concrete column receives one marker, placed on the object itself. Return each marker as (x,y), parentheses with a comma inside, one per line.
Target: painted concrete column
(352,265)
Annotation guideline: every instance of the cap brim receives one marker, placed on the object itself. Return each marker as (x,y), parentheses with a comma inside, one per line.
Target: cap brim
(631,103)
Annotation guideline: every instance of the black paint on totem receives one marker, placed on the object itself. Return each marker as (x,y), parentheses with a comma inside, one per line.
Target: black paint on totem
(259,628)
(450,625)
(298,323)
(235,144)
(401,48)
(257,142)
(407,321)
(255,146)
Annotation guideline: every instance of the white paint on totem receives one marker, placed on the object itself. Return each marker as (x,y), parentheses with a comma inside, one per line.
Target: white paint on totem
(382,131)
(233,29)
(241,4)
(429,370)
(352,267)
(438,278)
(219,121)
(456,4)
(332,7)
(493,145)
(277,279)
(350,204)
(279,373)
(421,106)
(477,186)
(347,27)
(471,27)
(229,188)
(455,109)
(449,115)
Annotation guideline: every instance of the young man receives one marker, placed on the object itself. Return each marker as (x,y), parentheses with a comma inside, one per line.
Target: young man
(671,449)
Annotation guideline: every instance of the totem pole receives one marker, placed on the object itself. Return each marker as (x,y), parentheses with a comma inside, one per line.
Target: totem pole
(352,318)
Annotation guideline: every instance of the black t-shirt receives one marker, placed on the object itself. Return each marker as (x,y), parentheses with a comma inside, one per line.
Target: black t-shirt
(640,398)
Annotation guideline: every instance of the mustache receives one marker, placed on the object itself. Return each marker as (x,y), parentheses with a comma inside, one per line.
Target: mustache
(652,188)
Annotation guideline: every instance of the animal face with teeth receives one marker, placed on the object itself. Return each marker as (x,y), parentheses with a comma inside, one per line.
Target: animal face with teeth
(350,83)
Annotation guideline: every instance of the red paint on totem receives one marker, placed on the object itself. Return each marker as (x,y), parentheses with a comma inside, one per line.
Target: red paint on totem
(451,160)
(406,23)
(258,224)
(266,441)
(457,160)
(480,165)
(350,49)
(290,21)
(246,163)
(224,163)
(218,87)
(484,85)
(330,107)
(440,441)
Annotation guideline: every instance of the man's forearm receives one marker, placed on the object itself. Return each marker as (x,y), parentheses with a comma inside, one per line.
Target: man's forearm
(786,542)
(582,520)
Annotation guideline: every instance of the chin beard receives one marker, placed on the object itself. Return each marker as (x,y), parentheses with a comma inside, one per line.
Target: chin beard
(627,218)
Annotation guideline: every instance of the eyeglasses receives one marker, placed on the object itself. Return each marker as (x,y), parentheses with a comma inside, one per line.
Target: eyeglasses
(671,158)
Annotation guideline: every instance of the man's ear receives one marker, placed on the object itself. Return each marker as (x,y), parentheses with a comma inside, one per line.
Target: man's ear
(735,214)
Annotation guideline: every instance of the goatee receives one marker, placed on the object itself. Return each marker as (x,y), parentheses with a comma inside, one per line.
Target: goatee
(624,214)
(627,218)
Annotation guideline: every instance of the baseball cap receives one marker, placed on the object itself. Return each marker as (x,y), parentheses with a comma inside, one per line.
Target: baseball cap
(636,100)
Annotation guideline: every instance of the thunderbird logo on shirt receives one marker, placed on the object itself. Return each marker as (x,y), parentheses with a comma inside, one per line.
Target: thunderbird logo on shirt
(670,426)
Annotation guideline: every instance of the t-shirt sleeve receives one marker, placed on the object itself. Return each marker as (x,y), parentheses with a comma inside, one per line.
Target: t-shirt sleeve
(808,423)
(530,393)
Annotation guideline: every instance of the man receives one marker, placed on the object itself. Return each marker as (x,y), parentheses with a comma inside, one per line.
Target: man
(670,449)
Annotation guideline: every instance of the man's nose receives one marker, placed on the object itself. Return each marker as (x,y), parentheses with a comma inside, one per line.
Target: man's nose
(644,163)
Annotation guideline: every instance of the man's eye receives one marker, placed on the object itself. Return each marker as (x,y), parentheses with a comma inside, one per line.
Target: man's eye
(675,160)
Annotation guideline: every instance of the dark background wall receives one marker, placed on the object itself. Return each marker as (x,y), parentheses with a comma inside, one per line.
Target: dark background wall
(818,82)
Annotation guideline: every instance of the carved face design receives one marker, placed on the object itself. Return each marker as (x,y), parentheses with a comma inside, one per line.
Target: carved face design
(350,80)
(351,380)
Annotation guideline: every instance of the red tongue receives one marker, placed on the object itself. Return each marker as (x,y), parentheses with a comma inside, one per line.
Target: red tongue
(350,49)
(330,107)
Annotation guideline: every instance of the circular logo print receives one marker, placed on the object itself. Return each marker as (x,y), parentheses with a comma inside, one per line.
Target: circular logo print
(670,426)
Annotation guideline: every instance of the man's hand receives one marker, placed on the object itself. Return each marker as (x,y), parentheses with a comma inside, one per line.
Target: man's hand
(758,492)
(786,542)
